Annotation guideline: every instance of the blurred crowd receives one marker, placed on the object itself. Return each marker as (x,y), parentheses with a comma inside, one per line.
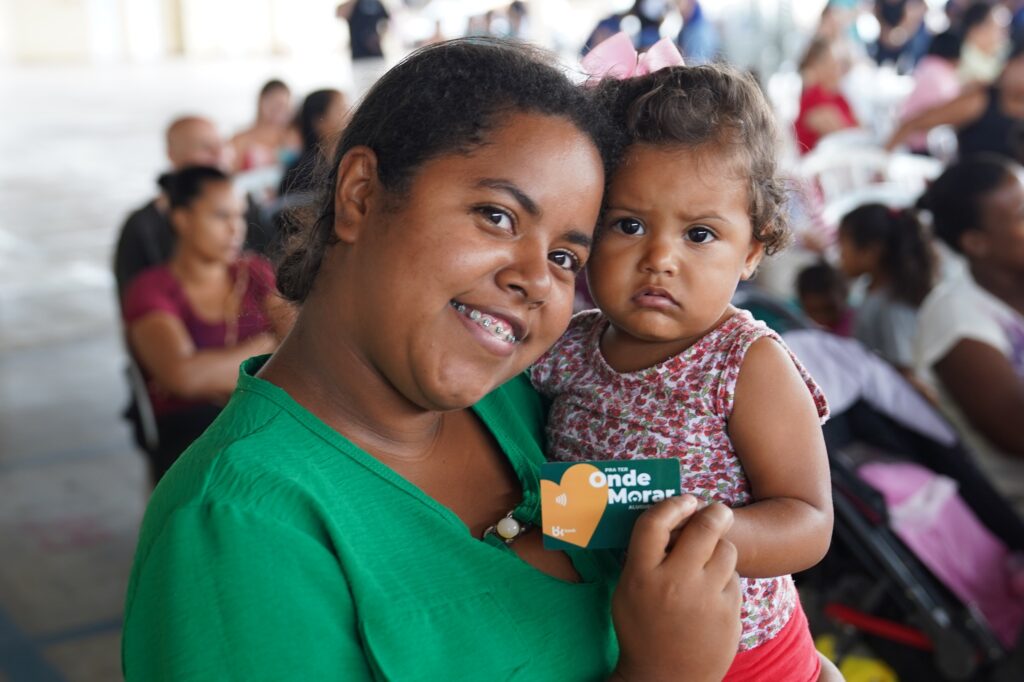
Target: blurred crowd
(903,138)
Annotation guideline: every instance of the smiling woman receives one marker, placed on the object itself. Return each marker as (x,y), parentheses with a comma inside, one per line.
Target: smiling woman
(334,522)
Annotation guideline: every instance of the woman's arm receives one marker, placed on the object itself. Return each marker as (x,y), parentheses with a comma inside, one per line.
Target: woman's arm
(957,112)
(776,431)
(984,384)
(165,350)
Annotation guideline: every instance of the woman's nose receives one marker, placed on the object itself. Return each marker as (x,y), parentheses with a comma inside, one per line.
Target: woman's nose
(529,275)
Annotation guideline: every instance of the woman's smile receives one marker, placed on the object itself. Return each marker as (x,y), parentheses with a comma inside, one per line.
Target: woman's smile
(498,332)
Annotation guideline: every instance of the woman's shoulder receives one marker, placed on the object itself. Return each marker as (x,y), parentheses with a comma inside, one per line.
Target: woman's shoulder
(254,460)
(261,270)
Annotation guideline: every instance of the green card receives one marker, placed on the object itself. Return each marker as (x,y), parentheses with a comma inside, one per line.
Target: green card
(595,504)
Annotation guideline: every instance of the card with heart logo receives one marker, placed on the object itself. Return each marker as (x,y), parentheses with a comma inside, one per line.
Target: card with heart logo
(594,505)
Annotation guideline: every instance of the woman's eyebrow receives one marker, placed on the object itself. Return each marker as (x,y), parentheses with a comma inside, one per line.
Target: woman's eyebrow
(578,238)
(510,188)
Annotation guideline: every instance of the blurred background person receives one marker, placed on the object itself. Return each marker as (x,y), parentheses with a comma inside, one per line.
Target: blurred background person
(698,39)
(970,337)
(321,117)
(985,37)
(890,249)
(147,238)
(271,140)
(367,22)
(192,321)
(903,35)
(936,82)
(986,118)
(823,292)
(642,22)
(823,108)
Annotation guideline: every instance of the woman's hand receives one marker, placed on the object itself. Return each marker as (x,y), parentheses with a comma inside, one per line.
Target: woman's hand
(677,609)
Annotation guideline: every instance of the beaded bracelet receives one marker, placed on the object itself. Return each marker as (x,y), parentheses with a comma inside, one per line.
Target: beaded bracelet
(508,529)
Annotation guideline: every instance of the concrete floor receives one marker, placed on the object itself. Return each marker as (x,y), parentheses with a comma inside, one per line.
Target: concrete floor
(79,147)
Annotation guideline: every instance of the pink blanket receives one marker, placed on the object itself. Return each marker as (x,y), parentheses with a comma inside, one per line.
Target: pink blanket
(941,530)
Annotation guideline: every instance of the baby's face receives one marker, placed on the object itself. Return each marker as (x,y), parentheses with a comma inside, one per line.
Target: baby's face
(674,243)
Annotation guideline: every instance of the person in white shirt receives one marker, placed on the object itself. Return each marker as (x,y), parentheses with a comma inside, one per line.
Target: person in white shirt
(970,335)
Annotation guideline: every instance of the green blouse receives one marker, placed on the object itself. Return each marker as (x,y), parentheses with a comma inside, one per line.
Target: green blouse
(275,549)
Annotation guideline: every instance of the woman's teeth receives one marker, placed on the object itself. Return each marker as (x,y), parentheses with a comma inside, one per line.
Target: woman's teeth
(498,327)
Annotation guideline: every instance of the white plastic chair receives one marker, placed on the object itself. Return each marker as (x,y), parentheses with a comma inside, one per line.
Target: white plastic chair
(891,194)
(839,171)
(850,138)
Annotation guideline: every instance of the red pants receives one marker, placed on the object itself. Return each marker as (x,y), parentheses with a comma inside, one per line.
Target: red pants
(789,656)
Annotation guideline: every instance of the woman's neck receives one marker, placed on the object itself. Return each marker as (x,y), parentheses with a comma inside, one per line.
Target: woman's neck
(322,370)
(194,270)
(1005,285)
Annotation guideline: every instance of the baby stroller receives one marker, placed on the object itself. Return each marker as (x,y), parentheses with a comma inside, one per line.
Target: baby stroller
(871,587)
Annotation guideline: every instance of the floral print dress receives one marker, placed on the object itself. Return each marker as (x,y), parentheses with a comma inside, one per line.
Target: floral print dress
(678,408)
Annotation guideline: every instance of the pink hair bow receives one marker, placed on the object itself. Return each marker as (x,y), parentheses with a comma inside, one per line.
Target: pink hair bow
(617,58)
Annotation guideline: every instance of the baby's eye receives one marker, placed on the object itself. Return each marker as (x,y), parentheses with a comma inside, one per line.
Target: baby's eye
(498,217)
(567,260)
(630,226)
(699,235)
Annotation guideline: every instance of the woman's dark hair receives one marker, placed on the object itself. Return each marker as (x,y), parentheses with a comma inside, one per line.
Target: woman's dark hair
(955,198)
(821,278)
(442,99)
(186,185)
(711,106)
(310,114)
(946,45)
(271,86)
(906,256)
(974,15)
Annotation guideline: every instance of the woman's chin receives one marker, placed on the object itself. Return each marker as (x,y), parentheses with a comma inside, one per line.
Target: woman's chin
(460,390)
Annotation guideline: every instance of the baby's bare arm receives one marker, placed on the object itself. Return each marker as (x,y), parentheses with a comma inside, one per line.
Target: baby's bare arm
(777,435)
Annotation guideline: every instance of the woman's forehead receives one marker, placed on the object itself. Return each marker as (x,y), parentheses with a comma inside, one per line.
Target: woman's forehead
(536,153)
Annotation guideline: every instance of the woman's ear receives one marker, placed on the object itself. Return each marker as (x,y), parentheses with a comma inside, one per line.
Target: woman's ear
(179,219)
(754,256)
(354,192)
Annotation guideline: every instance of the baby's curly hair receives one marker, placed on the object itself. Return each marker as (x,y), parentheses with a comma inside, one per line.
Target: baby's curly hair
(713,105)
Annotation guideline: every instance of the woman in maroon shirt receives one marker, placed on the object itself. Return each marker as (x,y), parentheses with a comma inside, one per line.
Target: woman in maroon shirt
(191,321)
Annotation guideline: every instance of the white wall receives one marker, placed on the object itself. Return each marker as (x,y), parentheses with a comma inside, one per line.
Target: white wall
(49,30)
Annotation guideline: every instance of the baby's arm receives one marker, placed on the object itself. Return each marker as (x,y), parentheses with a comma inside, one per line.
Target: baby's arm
(777,435)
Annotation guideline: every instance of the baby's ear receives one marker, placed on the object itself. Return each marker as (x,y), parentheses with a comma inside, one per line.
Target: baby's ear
(754,255)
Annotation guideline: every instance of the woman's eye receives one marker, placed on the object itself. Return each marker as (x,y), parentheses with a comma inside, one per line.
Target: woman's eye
(499,218)
(699,235)
(567,260)
(629,226)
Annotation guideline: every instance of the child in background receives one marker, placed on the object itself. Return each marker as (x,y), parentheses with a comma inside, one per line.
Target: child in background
(892,250)
(823,108)
(669,368)
(823,292)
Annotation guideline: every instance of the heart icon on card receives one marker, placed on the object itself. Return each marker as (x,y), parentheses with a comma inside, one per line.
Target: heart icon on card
(572,508)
